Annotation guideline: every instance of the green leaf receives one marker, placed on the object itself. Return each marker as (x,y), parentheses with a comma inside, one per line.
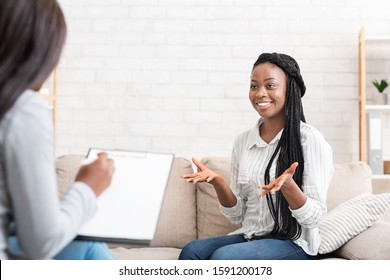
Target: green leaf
(381,86)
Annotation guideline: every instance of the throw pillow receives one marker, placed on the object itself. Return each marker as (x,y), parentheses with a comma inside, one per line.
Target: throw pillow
(209,219)
(177,222)
(351,218)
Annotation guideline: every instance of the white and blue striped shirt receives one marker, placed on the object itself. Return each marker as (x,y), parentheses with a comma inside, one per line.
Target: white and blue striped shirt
(250,157)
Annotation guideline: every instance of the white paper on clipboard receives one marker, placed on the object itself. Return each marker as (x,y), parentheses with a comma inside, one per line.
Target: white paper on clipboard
(128,210)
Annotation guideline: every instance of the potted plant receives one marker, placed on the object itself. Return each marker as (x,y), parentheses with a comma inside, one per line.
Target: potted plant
(381,86)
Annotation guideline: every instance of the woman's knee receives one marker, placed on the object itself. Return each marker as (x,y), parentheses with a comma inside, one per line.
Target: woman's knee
(99,251)
(224,253)
(85,250)
(189,251)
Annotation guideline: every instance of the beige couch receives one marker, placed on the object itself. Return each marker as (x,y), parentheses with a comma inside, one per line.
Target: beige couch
(191,211)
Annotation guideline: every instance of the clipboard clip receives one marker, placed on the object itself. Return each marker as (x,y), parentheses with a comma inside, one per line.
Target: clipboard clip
(118,153)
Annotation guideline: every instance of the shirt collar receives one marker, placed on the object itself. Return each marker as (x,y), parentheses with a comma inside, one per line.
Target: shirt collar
(255,139)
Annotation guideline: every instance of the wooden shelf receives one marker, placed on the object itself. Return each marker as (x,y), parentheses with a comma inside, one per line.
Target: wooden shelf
(49,94)
(381,177)
(370,148)
(378,38)
(377,108)
(362,96)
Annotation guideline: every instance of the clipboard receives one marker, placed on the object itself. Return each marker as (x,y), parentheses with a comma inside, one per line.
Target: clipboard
(129,209)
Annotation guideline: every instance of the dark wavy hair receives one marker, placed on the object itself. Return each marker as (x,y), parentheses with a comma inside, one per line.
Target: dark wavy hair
(32,35)
(289,147)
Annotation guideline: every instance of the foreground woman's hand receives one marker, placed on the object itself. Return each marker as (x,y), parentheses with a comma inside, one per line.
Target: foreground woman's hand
(98,174)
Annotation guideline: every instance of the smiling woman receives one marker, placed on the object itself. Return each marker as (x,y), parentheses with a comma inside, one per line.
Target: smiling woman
(267,94)
(280,173)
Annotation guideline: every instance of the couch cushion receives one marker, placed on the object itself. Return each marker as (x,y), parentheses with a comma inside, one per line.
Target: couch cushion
(371,244)
(67,167)
(210,221)
(349,180)
(177,222)
(147,253)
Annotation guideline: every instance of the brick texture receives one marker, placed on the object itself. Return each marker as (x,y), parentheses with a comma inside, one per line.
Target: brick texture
(173,75)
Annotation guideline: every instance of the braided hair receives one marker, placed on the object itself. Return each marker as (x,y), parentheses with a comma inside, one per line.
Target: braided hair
(289,147)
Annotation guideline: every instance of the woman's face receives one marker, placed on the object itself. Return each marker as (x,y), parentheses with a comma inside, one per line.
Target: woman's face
(268,91)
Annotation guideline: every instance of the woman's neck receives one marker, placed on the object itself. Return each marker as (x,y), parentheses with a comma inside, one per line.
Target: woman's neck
(270,128)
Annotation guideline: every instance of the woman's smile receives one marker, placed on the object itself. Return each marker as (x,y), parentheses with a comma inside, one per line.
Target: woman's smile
(263,105)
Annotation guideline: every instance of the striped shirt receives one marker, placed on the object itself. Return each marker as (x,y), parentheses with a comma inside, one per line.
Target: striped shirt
(250,157)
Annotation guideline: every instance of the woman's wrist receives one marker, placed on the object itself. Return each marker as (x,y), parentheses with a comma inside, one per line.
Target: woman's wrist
(217,181)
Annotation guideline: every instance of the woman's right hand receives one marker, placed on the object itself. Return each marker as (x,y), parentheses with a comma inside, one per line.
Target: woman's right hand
(203,175)
(98,174)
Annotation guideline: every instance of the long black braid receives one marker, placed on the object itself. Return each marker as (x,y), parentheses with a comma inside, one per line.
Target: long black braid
(289,147)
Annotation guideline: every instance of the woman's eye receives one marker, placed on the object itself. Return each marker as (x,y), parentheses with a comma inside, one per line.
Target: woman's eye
(270,86)
(253,87)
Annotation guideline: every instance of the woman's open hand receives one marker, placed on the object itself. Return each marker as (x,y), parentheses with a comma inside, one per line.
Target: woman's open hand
(203,175)
(279,182)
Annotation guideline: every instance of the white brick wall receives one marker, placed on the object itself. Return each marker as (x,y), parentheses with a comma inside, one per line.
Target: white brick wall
(173,75)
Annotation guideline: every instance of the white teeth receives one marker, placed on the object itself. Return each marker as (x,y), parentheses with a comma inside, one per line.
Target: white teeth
(263,103)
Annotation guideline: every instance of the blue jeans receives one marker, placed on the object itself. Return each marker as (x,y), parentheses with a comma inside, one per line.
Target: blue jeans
(75,250)
(236,247)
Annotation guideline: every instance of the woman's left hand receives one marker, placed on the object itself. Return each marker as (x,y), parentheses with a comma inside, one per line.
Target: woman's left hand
(279,182)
